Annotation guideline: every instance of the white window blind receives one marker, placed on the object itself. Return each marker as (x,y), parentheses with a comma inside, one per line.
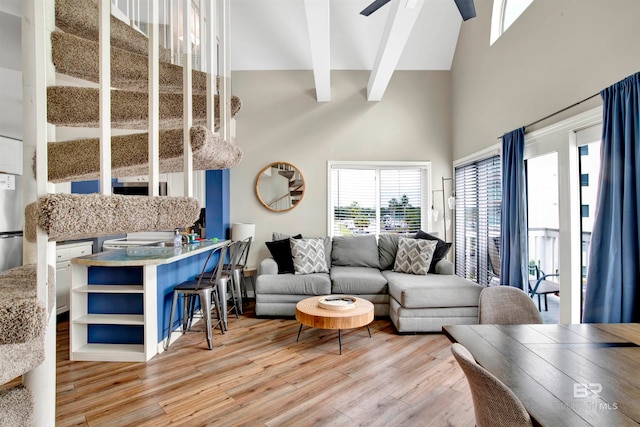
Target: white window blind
(478,196)
(374,199)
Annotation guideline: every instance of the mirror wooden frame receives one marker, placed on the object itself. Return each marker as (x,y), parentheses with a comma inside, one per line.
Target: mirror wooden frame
(299,188)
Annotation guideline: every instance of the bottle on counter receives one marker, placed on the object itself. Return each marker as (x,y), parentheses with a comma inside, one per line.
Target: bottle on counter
(177,239)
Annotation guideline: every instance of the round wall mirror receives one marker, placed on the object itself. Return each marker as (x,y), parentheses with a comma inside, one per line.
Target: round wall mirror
(280,186)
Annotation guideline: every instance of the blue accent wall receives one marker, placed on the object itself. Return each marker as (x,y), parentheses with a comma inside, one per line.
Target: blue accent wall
(87,187)
(218,201)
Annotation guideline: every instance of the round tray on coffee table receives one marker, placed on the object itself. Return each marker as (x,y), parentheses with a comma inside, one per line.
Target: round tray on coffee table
(343,312)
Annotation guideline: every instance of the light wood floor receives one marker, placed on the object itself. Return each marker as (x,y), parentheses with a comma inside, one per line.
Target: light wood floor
(257,374)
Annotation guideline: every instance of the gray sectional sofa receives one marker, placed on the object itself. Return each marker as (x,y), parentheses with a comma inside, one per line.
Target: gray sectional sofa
(363,266)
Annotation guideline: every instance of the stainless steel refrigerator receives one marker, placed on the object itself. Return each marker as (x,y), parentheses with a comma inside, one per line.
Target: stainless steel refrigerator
(11,225)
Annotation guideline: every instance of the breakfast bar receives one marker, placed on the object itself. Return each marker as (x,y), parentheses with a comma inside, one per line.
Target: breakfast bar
(121,299)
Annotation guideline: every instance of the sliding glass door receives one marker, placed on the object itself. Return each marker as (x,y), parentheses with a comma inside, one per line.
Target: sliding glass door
(544,233)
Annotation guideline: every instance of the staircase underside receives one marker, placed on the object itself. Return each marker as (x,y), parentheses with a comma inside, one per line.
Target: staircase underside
(79,216)
(130,155)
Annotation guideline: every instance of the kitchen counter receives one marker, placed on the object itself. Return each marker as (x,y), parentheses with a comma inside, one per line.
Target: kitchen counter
(147,255)
(121,299)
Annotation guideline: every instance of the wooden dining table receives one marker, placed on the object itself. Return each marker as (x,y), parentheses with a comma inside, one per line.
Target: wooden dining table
(565,375)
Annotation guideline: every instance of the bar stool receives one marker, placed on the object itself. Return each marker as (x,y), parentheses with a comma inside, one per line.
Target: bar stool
(228,282)
(230,276)
(205,289)
(242,247)
(241,268)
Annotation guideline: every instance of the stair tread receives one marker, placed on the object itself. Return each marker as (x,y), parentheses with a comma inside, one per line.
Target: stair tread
(286,173)
(18,359)
(22,316)
(81,18)
(129,155)
(16,406)
(79,216)
(78,57)
(79,107)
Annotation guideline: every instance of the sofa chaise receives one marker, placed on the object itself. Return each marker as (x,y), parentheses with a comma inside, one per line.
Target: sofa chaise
(368,268)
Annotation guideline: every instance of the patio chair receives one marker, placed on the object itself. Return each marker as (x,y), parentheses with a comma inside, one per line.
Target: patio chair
(540,286)
(494,261)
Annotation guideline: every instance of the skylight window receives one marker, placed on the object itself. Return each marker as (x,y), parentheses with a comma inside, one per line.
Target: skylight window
(505,12)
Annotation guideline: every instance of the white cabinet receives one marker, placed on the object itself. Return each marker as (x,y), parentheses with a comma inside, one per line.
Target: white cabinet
(10,156)
(64,253)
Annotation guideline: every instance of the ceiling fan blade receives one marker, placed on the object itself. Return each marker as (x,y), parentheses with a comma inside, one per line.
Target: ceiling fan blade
(466,8)
(377,4)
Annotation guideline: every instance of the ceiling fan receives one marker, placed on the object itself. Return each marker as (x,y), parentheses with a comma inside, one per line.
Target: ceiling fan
(466,8)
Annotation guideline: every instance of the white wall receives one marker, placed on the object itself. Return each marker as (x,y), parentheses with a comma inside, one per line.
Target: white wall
(557,53)
(281,121)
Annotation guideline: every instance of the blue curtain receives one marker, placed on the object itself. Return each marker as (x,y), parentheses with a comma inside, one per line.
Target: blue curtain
(614,263)
(513,213)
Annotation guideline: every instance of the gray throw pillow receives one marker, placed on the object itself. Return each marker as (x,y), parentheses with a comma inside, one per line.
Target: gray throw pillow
(308,256)
(355,251)
(387,249)
(414,256)
(281,236)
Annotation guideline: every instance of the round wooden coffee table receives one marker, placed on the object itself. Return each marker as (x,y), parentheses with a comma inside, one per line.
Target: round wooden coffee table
(309,313)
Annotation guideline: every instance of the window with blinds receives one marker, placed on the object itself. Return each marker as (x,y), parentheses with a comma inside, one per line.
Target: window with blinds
(373,198)
(477,220)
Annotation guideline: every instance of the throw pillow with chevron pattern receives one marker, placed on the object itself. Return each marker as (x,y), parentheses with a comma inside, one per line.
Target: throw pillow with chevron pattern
(308,256)
(414,255)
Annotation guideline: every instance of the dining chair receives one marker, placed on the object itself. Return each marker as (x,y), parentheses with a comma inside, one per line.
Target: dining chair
(494,403)
(540,286)
(506,305)
(206,291)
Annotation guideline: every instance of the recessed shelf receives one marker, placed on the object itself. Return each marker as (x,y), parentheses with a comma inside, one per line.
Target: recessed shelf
(111,319)
(110,289)
(110,352)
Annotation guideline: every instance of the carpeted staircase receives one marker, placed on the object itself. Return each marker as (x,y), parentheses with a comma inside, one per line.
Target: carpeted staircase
(23,320)
(75,53)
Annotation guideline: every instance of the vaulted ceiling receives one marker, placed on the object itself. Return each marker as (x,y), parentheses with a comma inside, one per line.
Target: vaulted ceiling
(324,35)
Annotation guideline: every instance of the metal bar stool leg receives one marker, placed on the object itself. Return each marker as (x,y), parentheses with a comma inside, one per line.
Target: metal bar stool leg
(237,297)
(173,312)
(205,305)
(222,297)
(237,278)
(186,312)
(216,303)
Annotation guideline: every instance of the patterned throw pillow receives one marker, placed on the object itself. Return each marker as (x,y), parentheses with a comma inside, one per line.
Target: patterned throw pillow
(414,255)
(308,256)
(442,248)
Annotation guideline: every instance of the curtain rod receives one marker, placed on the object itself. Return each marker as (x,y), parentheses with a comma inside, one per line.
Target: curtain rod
(559,111)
